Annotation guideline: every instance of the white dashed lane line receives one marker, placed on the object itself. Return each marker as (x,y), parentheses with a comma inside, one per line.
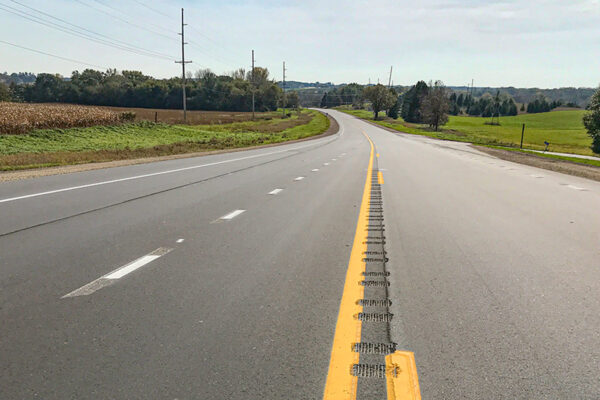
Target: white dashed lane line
(118,273)
(326,163)
(315,170)
(232,215)
(179,240)
(299,178)
(275,191)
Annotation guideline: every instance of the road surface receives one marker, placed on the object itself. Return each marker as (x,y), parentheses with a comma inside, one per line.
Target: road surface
(291,272)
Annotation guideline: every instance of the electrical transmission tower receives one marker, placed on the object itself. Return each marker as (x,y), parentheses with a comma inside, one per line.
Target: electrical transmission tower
(183,62)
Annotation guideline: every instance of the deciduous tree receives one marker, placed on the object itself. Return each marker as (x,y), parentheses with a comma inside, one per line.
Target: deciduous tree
(591,120)
(434,107)
(380,98)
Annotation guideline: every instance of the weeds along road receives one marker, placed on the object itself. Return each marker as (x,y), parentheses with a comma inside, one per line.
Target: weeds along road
(295,271)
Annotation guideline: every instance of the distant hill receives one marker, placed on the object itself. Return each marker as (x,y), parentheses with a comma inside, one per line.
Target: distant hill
(579,96)
(311,92)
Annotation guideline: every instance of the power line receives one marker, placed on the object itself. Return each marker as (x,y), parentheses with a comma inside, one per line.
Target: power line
(125,21)
(90,31)
(52,55)
(153,9)
(192,43)
(103,3)
(73,32)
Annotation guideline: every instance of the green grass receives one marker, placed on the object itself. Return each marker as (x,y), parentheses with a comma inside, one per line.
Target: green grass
(563,129)
(576,160)
(102,143)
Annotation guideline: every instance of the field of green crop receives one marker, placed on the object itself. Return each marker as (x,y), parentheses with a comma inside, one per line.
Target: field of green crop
(564,130)
(145,139)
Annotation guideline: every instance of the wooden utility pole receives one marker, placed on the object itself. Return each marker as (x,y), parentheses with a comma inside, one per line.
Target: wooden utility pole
(284,89)
(522,134)
(252,83)
(183,62)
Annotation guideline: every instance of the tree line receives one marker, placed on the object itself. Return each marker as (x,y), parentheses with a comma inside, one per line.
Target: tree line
(205,90)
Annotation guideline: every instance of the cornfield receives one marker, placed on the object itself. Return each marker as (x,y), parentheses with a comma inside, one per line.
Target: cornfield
(20,118)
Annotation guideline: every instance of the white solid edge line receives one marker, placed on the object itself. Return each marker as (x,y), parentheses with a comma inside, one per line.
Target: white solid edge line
(299,178)
(275,191)
(148,175)
(118,273)
(232,214)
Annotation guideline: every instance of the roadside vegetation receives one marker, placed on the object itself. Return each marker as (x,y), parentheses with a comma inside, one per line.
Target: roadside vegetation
(53,147)
(434,110)
(564,130)
(19,118)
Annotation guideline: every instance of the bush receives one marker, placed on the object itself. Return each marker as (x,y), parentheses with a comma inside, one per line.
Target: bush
(591,120)
(127,116)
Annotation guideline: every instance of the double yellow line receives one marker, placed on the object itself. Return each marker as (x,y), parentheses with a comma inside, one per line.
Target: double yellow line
(401,377)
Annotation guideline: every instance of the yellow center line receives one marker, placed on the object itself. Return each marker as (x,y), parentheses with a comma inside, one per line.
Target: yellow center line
(341,384)
(401,376)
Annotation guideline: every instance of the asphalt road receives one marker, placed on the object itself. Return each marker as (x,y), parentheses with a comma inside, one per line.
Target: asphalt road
(493,271)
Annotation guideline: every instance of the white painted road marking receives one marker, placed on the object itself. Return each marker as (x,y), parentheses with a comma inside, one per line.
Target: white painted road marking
(576,188)
(326,163)
(334,159)
(112,276)
(232,215)
(315,170)
(536,176)
(179,240)
(147,175)
(299,178)
(274,192)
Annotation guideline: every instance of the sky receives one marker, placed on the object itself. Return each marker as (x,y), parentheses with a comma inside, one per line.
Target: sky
(533,43)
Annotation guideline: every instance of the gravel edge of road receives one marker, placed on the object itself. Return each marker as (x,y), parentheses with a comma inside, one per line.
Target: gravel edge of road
(562,166)
(68,169)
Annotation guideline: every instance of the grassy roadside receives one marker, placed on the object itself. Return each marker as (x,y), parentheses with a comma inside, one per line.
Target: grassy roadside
(549,156)
(563,129)
(55,147)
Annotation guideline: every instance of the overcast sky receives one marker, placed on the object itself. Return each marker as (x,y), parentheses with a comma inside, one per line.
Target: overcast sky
(534,43)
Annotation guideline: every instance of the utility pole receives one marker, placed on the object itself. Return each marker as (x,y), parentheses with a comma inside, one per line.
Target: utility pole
(390,80)
(522,134)
(252,77)
(284,89)
(183,62)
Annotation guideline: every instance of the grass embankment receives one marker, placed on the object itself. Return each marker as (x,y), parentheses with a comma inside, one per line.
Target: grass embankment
(564,130)
(54,147)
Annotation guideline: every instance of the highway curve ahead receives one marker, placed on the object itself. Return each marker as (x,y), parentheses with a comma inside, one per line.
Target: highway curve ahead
(314,270)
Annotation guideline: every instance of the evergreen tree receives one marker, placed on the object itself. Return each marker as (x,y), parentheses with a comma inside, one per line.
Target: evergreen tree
(412,102)
(324,100)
